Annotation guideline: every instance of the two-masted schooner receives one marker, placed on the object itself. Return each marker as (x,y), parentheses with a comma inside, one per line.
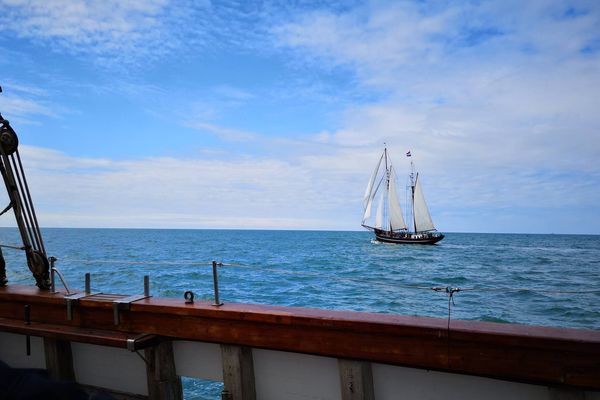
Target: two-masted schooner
(388,223)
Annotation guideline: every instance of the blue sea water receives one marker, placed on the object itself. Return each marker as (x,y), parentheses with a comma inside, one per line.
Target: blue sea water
(551,280)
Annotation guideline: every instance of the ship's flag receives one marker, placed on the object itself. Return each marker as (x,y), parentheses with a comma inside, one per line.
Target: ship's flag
(408,153)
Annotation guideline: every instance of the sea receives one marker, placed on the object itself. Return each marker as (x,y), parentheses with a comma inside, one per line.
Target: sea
(549,280)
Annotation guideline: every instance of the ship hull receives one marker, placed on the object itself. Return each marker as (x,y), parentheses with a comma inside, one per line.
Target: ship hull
(407,238)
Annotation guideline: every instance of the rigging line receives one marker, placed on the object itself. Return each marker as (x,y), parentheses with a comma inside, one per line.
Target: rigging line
(11,187)
(450,292)
(28,194)
(25,211)
(341,279)
(434,288)
(377,188)
(62,279)
(8,246)
(8,207)
(203,263)
(521,289)
(318,275)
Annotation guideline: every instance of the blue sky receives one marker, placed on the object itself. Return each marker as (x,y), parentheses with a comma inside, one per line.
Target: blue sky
(226,114)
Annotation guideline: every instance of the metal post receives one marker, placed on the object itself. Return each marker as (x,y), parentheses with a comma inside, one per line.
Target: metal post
(88,283)
(52,285)
(27,322)
(146,286)
(216,285)
(116,318)
(226,395)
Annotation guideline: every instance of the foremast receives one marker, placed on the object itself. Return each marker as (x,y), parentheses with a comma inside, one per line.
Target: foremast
(383,183)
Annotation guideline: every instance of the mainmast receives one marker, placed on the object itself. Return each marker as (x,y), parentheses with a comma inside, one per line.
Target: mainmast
(412,190)
(387,177)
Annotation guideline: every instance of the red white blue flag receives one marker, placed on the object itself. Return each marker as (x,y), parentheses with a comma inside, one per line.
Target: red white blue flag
(408,153)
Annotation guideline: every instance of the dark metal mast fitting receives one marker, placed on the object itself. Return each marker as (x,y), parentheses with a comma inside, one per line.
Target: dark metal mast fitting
(22,205)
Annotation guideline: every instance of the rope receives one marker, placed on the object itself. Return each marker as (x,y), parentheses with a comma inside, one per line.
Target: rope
(521,289)
(62,279)
(8,207)
(337,278)
(203,263)
(450,292)
(13,247)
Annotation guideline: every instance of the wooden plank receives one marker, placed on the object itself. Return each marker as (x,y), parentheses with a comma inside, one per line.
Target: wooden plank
(356,379)
(76,334)
(163,382)
(59,359)
(238,372)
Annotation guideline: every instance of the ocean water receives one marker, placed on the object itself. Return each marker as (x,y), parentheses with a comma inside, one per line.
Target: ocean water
(551,280)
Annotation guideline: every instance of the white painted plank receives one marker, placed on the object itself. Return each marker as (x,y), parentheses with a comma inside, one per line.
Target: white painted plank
(109,367)
(292,376)
(12,351)
(198,360)
(394,383)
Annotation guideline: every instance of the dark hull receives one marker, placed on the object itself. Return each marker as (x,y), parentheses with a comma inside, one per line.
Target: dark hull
(404,238)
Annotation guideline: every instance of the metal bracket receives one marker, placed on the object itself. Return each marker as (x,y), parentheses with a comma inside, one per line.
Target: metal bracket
(27,318)
(125,302)
(73,299)
(135,343)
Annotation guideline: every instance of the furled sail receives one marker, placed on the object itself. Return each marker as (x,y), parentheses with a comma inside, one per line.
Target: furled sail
(423,220)
(396,219)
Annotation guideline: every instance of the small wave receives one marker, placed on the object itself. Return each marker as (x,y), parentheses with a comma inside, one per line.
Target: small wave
(491,318)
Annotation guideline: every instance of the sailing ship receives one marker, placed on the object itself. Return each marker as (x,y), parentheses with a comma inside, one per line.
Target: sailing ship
(389,224)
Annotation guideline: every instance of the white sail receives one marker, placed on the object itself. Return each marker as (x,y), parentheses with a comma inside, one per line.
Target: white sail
(423,220)
(396,219)
(368,195)
(379,215)
(367,214)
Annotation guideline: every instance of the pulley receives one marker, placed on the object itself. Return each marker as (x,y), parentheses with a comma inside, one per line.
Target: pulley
(8,138)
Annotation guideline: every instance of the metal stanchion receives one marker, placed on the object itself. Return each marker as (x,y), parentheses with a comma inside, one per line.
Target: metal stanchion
(216,283)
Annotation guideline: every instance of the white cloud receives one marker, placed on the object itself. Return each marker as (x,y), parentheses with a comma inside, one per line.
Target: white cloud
(117,34)
(525,87)
(238,192)
(81,22)
(222,132)
(22,107)
(497,106)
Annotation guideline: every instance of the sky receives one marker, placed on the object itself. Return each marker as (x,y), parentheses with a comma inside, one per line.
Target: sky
(273,114)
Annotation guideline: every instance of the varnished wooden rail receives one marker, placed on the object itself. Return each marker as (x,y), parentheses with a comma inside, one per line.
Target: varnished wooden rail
(540,355)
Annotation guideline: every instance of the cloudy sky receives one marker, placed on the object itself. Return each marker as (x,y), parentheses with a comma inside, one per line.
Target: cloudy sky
(242,114)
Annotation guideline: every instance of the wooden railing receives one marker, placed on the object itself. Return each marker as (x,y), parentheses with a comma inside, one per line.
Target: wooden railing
(540,355)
